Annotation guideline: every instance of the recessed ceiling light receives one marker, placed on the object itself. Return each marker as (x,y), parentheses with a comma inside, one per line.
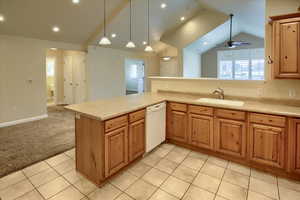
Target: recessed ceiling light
(113,35)
(53,49)
(76,1)
(144,43)
(163,5)
(55,29)
(182,18)
(2,18)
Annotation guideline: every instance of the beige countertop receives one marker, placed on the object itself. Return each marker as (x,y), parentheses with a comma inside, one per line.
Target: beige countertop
(109,108)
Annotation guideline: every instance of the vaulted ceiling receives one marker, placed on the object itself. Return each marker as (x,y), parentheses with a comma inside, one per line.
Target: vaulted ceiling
(249,17)
(35,18)
(83,22)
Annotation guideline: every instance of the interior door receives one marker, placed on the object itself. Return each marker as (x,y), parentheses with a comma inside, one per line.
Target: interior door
(68,80)
(79,77)
(201,131)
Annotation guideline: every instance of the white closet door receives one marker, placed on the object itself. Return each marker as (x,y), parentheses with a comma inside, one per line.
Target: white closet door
(79,77)
(68,80)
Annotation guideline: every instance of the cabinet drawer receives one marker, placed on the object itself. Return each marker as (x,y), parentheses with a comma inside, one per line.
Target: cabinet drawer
(231,114)
(178,106)
(202,110)
(116,123)
(268,119)
(135,116)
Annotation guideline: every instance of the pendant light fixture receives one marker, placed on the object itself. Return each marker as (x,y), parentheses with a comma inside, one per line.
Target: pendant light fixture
(148,47)
(130,44)
(104,40)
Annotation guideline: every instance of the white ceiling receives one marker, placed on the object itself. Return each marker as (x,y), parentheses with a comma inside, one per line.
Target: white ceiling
(249,17)
(35,18)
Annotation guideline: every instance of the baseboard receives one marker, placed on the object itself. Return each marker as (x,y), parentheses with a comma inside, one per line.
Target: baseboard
(20,121)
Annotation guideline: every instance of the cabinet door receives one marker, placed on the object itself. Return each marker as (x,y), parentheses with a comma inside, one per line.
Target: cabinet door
(136,139)
(201,131)
(266,145)
(294,145)
(116,150)
(178,126)
(230,137)
(286,47)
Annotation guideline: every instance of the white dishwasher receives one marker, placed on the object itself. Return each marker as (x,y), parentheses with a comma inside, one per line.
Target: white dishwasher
(155,125)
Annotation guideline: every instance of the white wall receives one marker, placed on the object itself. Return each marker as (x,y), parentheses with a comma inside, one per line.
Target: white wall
(106,71)
(191,63)
(21,60)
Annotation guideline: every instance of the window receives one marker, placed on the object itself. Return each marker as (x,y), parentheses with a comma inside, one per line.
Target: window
(50,67)
(244,64)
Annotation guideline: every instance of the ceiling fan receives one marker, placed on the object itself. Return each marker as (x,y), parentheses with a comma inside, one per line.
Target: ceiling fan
(233,44)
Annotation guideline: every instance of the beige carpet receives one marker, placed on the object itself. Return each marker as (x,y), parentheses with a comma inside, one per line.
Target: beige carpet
(24,144)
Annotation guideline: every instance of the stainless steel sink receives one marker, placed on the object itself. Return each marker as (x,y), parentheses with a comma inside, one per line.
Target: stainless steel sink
(221,101)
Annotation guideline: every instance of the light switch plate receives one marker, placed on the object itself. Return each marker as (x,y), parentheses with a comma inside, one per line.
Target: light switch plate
(292,92)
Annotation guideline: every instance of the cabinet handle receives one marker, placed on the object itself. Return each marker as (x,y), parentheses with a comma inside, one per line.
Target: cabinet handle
(270,61)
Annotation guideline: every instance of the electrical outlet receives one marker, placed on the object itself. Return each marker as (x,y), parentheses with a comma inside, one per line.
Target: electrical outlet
(259,92)
(292,93)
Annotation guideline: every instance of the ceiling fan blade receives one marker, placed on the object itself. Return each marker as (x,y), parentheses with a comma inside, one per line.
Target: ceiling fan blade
(240,43)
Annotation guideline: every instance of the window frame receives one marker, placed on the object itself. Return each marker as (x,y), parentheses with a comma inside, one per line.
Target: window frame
(231,55)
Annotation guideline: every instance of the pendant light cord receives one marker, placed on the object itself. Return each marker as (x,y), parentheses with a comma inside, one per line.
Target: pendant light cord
(148,22)
(130,22)
(104,18)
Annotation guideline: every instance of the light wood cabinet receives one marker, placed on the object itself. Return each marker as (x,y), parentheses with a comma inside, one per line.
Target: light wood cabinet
(177,122)
(286,46)
(230,137)
(201,131)
(259,140)
(266,145)
(294,145)
(116,150)
(136,139)
(178,129)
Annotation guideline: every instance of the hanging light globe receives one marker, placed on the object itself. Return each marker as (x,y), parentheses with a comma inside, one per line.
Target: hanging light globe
(105,41)
(148,48)
(130,45)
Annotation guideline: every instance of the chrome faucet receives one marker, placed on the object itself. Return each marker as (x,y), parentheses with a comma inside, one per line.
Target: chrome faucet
(220,93)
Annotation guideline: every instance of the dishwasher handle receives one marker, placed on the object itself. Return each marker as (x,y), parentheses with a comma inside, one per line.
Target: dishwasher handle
(156,107)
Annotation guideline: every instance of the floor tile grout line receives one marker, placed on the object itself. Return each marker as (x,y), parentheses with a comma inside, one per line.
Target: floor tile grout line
(152,167)
(195,177)
(248,185)
(173,172)
(16,182)
(221,181)
(264,182)
(34,188)
(278,192)
(61,175)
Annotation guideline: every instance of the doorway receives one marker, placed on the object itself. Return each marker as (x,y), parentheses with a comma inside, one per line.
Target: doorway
(51,80)
(134,76)
(66,77)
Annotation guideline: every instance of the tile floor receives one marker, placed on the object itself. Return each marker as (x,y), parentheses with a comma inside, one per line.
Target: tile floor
(168,173)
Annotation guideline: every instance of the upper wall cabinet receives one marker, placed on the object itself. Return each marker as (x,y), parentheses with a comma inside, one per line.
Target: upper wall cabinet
(286,46)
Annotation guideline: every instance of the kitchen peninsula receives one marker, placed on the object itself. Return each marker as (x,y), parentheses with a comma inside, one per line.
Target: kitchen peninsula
(110,134)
